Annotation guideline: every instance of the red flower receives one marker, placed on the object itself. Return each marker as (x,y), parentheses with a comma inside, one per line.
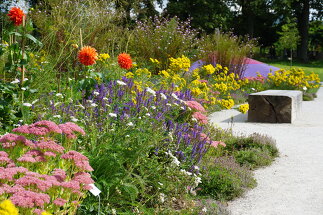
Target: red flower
(87,55)
(124,61)
(16,15)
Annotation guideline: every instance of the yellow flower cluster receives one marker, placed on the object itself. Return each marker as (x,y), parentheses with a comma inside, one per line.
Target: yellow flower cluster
(179,64)
(293,79)
(143,72)
(8,208)
(243,108)
(168,78)
(209,69)
(226,103)
(225,83)
(103,57)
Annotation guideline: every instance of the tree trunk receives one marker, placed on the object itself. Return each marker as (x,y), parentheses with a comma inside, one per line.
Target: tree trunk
(303,27)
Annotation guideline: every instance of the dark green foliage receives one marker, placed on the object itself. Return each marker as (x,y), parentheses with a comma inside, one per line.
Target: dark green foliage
(207,15)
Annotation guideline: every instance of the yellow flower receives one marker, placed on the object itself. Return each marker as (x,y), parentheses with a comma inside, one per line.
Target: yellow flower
(104,57)
(164,73)
(8,208)
(154,61)
(45,213)
(243,108)
(209,69)
(129,75)
(140,72)
(180,64)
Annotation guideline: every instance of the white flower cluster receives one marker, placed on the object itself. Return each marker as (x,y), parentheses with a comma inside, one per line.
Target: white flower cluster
(175,161)
(8,4)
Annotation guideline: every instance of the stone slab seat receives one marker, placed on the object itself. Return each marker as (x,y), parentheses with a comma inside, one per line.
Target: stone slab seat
(274,106)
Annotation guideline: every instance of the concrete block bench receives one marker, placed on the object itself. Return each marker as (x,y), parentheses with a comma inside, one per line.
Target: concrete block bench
(274,106)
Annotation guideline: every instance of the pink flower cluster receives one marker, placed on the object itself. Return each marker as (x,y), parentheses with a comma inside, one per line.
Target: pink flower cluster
(79,160)
(29,199)
(261,79)
(195,106)
(200,117)
(212,142)
(40,128)
(43,128)
(26,187)
(11,140)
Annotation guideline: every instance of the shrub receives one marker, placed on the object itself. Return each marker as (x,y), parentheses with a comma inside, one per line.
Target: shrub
(224,179)
(254,151)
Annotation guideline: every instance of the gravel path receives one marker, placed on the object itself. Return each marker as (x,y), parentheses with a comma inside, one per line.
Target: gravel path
(293,184)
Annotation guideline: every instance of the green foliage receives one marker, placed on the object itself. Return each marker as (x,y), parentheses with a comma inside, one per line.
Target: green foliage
(10,112)
(253,151)
(161,39)
(289,36)
(225,179)
(216,16)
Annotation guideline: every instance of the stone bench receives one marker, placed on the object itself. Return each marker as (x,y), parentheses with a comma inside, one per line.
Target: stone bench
(274,106)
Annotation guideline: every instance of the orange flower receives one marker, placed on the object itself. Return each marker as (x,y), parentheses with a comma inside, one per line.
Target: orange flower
(16,15)
(124,61)
(87,55)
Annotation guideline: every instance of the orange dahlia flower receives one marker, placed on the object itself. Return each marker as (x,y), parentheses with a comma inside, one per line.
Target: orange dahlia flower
(16,15)
(87,55)
(124,61)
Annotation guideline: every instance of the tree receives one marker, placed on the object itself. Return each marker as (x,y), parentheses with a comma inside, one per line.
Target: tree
(204,14)
(289,38)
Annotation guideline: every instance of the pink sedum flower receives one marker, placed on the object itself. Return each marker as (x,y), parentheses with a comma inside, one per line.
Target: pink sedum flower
(200,117)
(40,128)
(32,156)
(83,178)
(59,202)
(80,160)
(215,144)
(11,140)
(70,128)
(59,174)
(27,181)
(50,145)
(9,173)
(195,106)
(29,199)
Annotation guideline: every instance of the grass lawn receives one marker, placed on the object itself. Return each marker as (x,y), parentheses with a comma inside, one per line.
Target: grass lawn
(316,66)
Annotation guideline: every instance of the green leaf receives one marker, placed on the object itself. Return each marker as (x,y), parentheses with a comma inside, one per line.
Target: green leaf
(15,33)
(131,190)
(32,38)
